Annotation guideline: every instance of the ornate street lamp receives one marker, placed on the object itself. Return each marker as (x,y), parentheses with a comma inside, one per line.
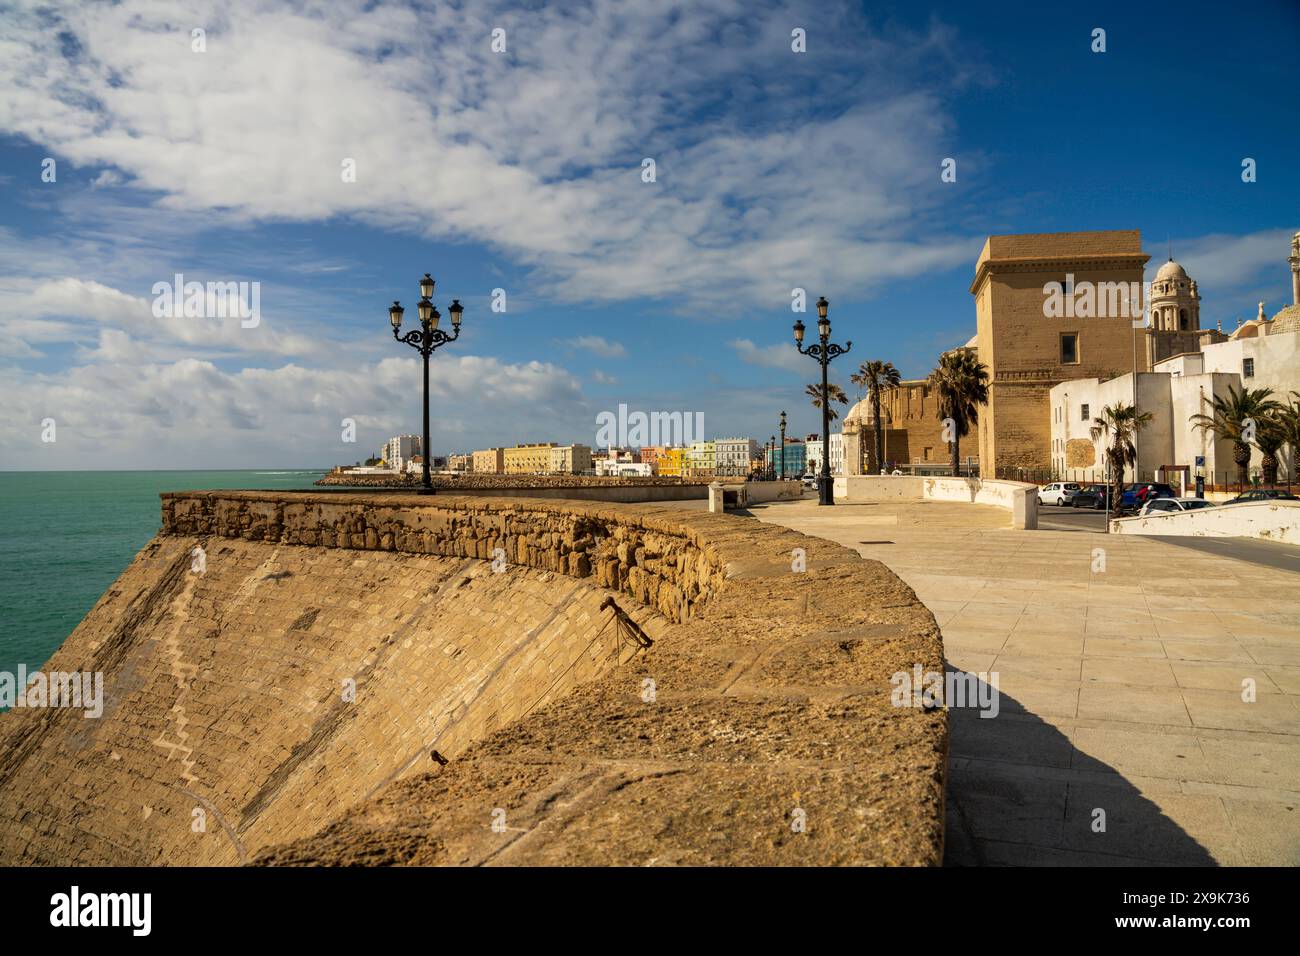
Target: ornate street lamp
(425,340)
(783,446)
(823,352)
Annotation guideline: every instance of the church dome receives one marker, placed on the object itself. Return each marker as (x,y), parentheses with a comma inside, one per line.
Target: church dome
(1171,270)
(1287,320)
(861,414)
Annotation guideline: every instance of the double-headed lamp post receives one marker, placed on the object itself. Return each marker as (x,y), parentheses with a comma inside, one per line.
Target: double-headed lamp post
(823,352)
(783,446)
(771,471)
(425,340)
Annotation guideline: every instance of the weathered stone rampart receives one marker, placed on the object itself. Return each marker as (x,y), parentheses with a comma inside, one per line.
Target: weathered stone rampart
(504,706)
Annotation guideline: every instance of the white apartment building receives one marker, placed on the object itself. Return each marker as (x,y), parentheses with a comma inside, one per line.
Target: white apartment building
(623,469)
(733,455)
(1182,386)
(399,449)
(813,453)
(1271,360)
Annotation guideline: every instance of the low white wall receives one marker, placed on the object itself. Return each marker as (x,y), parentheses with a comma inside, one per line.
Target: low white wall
(760,491)
(1019,498)
(878,487)
(1268,520)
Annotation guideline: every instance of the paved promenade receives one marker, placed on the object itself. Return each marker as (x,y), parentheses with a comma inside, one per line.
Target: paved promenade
(1121,689)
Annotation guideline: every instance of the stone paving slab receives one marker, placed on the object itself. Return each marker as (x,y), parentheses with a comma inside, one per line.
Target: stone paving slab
(1121,663)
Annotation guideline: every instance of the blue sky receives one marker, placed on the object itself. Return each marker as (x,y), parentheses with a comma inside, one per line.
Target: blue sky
(522,171)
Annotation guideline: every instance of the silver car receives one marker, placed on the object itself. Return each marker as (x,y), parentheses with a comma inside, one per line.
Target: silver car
(1164,506)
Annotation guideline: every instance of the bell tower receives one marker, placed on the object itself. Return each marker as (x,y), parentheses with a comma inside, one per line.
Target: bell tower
(1295,269)
(1174,300)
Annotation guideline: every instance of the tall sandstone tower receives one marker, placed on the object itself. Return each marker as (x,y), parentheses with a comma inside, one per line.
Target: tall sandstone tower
(1031,340)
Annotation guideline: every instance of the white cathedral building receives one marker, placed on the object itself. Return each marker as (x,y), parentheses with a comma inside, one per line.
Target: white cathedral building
(1190,365)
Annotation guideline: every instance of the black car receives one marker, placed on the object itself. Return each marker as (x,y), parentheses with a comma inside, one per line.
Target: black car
(1264,494)
(1090,496)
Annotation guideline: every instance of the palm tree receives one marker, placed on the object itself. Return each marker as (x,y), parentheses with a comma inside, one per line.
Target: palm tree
(1121,423)
(837,395)
(877,377)
(1236,417)
(962,384)
(1289,424)
(1270,436)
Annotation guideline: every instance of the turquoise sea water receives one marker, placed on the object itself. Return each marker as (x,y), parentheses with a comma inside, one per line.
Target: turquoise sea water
(65,536)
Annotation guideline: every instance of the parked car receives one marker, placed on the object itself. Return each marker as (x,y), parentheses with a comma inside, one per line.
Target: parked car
(1173,505)
(1058,493)
(809,481)
(1264,494)
(1139,493)
(1091,496)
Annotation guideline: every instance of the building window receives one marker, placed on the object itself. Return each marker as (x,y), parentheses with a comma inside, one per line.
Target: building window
(1248,368)
(1182,319)
(1083,413)
(1069,348)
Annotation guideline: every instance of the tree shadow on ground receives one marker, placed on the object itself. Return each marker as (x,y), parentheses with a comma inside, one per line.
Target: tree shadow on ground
(1021,794)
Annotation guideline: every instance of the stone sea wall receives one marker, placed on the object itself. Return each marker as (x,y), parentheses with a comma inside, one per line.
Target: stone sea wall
(658,563)
(392,679)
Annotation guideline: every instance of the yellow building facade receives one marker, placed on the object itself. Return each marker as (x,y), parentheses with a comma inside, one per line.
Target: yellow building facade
(529,459)
(701,459)
(489,461)
(671,461)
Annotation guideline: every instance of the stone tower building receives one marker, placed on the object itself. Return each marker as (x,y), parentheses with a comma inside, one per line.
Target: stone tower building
(1050,307)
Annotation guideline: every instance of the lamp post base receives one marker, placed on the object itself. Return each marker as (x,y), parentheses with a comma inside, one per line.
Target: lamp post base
(825,490)
(426,491)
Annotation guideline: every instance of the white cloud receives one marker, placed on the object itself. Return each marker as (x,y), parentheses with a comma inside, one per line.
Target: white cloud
(536,152)
(598,345)
(782,356)
(1233,273)
(192,414)
(1221,262)
(24,303)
